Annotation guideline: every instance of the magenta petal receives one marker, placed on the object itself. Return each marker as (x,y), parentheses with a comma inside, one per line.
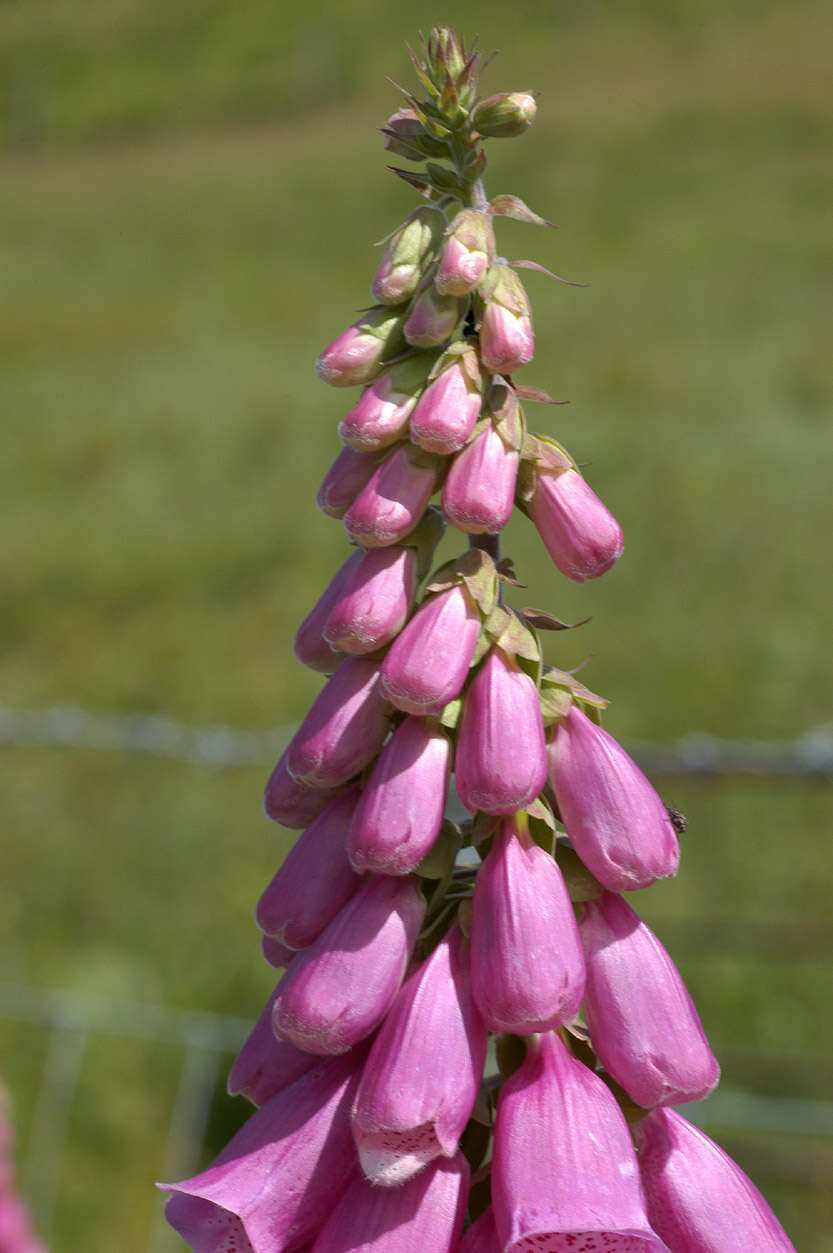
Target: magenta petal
(642,1021)
(337,991)
(564,1172)
(428,662)
(527,963)
(343,730)
(479,491)
(580,533)
(315,880)
(446,412)
(392,503)
(481,1236)
(264,1065)
(375,602)
(501,759)
(350,472)
(291,803)
(310,646)
(276,1180)
(699,1200)
(616,822)
(401,808)
(424,1215)
(423,1074)
(275,953)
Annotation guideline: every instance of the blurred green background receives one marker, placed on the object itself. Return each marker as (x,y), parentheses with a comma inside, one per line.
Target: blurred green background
(190,192)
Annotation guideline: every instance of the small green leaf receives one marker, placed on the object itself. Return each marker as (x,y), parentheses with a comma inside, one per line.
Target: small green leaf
(450,715)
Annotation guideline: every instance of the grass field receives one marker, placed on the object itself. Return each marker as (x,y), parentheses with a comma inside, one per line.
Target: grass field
(187,210)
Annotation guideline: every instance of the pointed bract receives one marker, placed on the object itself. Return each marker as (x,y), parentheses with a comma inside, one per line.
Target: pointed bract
(343,730)
(376,601)
(643,1024)
(698,1199)
(616,822)
(579,532)
(337,992)
(428,662)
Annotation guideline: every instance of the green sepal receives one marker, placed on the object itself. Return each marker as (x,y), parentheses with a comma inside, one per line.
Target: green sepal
(450,715)
(562,678)
(508,630)
(483,827)
(551,455)
(476,570)
(581,884)
(480,649)
(418,181)
(445,181)
(541,620)
(507,415)
(438,863)
(424,539)
(541,811)
(555,703)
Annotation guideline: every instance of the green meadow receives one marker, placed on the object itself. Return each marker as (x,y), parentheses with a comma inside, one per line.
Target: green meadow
(189,198)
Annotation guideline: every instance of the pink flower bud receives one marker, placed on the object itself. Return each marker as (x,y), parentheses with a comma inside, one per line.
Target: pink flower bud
(381,415)
(526,958)
(336,992)
(343,730)
(432,318)
(265,1065)
(480,489)
(447,410)
(428,662)
(699,1200)
(376,602)
(481,1236)
(291,803)
(507,341)
(360,352)
(580,534)
(505,115)
(278,1178)
(315,880)
(469,251)
(564,1164)
(409,251)
(501,758)
(310,647)
(401,808)
(423,1074)
(616,822)
(349,473)
(394,500)
(275,953)
(642,1021)
(424,1215)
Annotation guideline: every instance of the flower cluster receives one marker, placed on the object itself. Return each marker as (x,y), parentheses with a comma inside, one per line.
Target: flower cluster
(408,940)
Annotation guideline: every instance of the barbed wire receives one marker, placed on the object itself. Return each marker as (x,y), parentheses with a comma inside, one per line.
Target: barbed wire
(217,746)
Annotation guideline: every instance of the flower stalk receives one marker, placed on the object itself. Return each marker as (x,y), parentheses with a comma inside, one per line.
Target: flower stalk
(408,938)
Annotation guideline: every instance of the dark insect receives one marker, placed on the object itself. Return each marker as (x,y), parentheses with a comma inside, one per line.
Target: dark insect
(678,820)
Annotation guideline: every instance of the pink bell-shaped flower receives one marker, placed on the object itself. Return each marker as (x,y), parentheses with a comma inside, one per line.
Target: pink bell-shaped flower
(401,808)
(481,1236)
(447,410)
(564,1172)
(500,762)
(358,354)
(468,252)
(479,491)
(291,803)
(428,662)
(424,1215)
(349,473)
(343,730)
(432,317)
(275,1182)
(579,532)
(275,953)
(407,254)
(380,416)
(394,500)
(616,822)
(315,880)
(526,958)
(507,341)
(422,1077)
(376,601)
(310,647)
(643,1024)
(266,1065)
(698,1199)
(337,991)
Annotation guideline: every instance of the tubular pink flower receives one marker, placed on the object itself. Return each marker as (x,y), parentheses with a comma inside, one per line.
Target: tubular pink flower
(468,252)
(480,488)
(343,730)
(425,1215)
(432,318)
(291,803)
(642,1021)
(337,991)
(275,953)
(310,647)
(399,814)
(350,472)
(564,1172)
(616,822)
(422,1077)
(507,341)
(380,417)
(264,1065)
(409,251)
(315,880)
(358,354)
(481,1236)
(446,412)
(579,532)
(376,601)
(699,1200)
(428,662)
(500,763)
(394,500)
(275,1182)
(526,958)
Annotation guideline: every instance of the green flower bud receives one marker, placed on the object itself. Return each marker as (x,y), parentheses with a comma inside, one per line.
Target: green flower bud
(409,252)
(505,115)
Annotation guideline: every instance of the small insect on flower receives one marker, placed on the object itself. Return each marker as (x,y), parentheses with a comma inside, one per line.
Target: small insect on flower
(678,819)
